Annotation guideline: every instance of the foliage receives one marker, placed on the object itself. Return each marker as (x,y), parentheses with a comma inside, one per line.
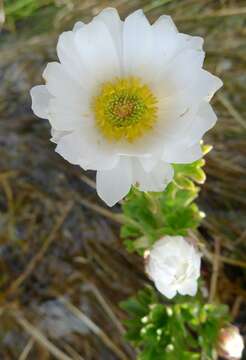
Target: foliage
(18,10)
(186,329)
(150,216)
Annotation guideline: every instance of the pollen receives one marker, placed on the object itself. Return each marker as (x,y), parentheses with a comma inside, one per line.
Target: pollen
(125,109)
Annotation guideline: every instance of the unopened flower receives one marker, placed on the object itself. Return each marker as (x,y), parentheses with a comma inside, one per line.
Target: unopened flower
(174,266)
(127,99)
(230,344)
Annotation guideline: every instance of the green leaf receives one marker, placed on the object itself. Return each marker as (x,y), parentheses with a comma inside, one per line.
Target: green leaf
(183,329)
(172,212)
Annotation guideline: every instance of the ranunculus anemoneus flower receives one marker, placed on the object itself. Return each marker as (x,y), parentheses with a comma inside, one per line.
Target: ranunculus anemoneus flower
(174,266)
(127,99)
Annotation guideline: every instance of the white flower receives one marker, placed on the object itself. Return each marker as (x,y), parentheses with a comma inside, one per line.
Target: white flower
(230,344)
(174,266)
(127,99)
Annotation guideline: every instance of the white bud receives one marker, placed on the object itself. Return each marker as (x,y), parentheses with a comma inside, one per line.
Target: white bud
(230,345)
(174,265)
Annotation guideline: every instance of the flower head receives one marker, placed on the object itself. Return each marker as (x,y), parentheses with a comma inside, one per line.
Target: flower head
(174,266)
(127,99)
(230,345)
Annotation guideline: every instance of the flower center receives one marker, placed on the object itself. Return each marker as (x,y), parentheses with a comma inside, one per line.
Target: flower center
(125,109)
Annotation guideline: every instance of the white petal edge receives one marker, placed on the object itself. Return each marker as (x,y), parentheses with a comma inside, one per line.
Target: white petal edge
(81,147)
(148,162)
(69,57)
(137,45)
(193,42)
(78,25)
(166,289)
(183,70)
(182,155)
(111,19)
(189,287)
(155,180)
(59,82)
(165,44)
(40,101)
(205,120)
(166,24)
(56,135)
(97,51)
(190,129)
(113,185)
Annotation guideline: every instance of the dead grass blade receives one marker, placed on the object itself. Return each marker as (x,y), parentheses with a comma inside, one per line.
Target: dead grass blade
(38,257)
(26,350)
(38,336)
(95,329)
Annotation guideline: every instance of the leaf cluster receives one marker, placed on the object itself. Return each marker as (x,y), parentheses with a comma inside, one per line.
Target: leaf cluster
(149,216)
(185,329)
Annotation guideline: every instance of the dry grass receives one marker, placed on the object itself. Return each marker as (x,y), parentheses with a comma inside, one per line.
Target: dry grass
(52,250)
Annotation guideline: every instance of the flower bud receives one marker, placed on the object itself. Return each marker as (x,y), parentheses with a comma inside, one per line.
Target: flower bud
(230,344)
(173,264)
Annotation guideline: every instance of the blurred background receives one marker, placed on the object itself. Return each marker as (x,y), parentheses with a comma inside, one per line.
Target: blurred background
(63,269)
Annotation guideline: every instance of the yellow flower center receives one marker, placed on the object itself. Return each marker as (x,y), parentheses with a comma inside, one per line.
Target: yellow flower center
(125,109)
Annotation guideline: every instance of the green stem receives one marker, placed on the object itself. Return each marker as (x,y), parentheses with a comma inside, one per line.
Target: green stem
(155,208)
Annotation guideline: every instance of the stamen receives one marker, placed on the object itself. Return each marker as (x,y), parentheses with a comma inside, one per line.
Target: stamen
(125,109)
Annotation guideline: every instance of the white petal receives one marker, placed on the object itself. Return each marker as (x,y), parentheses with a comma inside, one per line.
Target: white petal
(78,25)
(97,51)
(187,130)
(146,146)
(174,119)
(200,86)
(205,120)
(161,243)
(137,45)
(114,184)
(70,148)
(189,287)
(185,88)
(182,154)
(165,43)
(166,289)
(148,163)
(40,101)
(70,113)
(206,85)
(70,59)
(189,42)
(166,25)
(178,93)
(159,271)
(111,19)
(185,116)
(58,81)
(57,135)
(183,69)
(168,43)
(83,148)
(70,105)
(196,264)
(155,180)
